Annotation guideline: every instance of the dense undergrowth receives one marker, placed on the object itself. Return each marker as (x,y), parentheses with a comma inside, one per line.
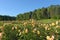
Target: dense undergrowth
(31,30)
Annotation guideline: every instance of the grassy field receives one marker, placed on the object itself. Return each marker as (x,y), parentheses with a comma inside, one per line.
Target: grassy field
(41,21)
(48,29)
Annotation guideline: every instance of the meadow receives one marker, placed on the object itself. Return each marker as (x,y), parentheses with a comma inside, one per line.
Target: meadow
(48,29)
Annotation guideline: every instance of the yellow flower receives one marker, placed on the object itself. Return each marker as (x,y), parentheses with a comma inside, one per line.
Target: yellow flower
(56,22)
(41,24)
(38,32)
(53,24)
(26,30)
(20,33)
(12,28)
(57,26)
(19,30)
(44,24)
(56,31)
(49,28)
(24,23)
(46,27)
(34,30)
(48,37)
(16,27)
(33,25)
(52,37)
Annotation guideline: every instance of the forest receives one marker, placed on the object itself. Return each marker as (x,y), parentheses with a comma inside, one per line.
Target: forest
(7,18)
(51,12)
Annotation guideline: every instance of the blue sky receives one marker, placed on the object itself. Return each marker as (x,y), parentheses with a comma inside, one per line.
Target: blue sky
(14,7)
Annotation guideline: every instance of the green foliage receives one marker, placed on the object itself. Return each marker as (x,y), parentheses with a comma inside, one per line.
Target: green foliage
(51,12)
(9,34)
(1,23)
(7,18)
(29,32)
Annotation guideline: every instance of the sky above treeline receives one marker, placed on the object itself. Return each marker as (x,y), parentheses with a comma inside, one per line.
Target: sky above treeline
(14,7)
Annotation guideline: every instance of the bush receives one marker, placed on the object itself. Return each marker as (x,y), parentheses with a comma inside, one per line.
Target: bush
(9,34)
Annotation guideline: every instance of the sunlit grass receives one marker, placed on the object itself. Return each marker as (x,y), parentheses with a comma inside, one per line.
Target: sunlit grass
(47,20)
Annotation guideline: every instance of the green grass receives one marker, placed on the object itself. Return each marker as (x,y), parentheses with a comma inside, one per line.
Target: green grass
(1,23)
(37,21)
(47,20)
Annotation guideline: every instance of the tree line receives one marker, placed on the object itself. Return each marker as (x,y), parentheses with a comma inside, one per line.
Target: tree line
(51,12)
(7,18)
